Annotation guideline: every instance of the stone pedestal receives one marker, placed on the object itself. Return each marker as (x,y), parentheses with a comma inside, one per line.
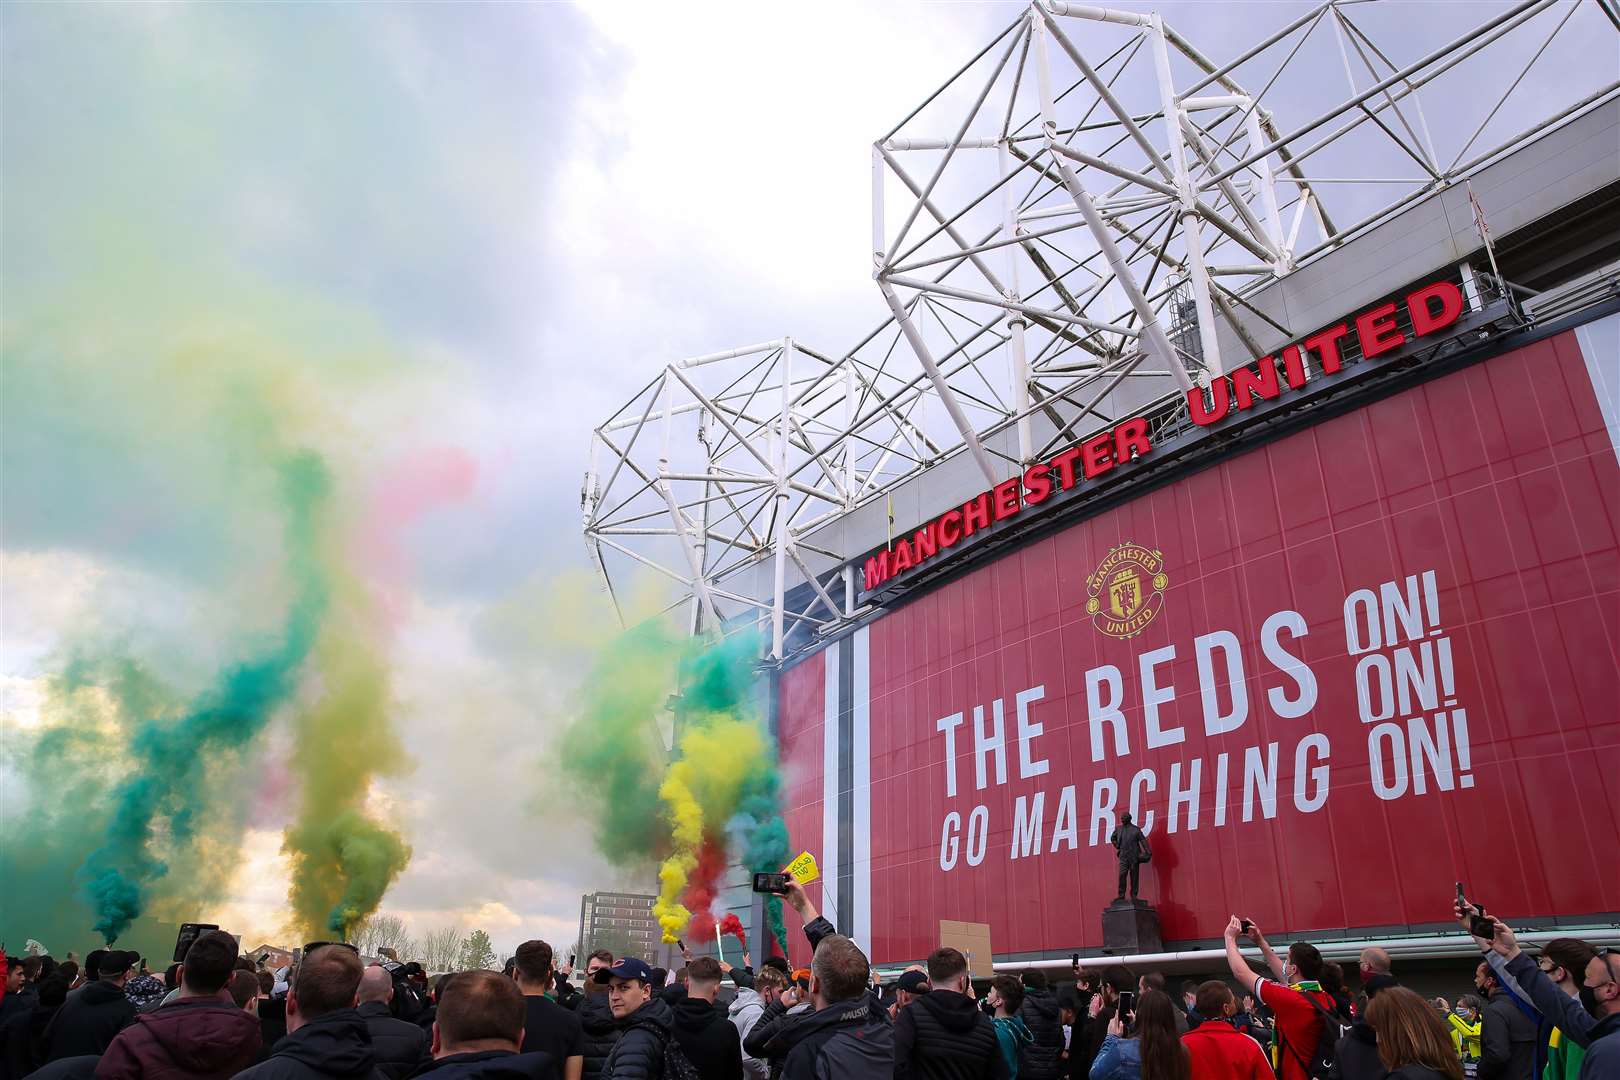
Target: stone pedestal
(1131,927)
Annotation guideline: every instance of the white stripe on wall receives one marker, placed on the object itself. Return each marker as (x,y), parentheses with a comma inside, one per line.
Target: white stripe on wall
(829,790)
(1600,347)
(862,746)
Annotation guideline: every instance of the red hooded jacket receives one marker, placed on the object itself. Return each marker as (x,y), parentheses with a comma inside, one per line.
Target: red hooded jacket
(192,1039)
(1220,1051)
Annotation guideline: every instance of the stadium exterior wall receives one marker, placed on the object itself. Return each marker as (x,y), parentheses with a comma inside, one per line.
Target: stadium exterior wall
(1331,674)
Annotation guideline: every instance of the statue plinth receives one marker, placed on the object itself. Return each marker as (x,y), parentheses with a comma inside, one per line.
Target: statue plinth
(1131,927)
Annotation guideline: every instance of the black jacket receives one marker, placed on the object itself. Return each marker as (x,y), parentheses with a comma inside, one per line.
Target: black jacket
(272,1025)
(1507,1040)
(1086,1041)
(773,1021)
(21,1026)
(24,1038)
(709,1039)
(336,1046)
(408,1001)
(400,1047)
(942,1035)
(88,1021)
(1356,1056)
(1043,1060)
(847,1039)
(601,1031)
(82,1067)
(639,1053)
(492,1065)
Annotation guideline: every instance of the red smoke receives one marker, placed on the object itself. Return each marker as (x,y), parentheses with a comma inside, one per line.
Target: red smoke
(700,889)
(730,924)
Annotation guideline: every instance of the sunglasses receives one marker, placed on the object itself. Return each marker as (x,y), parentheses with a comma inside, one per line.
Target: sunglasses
(313,945)
(1605,952)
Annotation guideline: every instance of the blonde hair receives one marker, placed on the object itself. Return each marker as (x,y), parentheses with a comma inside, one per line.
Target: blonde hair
(1410,1032)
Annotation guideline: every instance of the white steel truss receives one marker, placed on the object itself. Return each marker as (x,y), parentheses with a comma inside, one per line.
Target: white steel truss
(1075,222)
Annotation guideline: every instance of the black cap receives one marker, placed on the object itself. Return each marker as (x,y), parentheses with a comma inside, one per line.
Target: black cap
(116,962)
(912,982)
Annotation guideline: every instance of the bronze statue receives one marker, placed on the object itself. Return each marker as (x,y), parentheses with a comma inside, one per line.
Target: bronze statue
(1132,845)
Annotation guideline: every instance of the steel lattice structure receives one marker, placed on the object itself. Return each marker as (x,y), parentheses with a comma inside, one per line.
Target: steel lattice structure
(1077,221)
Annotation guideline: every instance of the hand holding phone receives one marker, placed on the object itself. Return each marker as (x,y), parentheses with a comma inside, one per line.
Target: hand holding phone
(771,883)
(1480,924)
(1127,1006)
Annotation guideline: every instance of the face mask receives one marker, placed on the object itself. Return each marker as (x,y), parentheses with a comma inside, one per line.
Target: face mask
(1461,1010)
(1483,992)
(1589,1001)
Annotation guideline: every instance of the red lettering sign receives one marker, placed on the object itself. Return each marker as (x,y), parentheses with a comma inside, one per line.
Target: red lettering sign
(1432,308)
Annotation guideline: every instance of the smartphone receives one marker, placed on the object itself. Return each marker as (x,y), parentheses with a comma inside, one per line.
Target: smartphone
(680,944)
(1246,926)
(1127,1005)
(1074,958)
(570,959)
(771,883)
(1479,923)
(189,932)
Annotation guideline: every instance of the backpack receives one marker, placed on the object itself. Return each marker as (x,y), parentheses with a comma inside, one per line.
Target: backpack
(676,1065)
(1319,1066)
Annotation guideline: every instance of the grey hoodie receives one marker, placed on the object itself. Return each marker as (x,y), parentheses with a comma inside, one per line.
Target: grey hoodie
(744,1014)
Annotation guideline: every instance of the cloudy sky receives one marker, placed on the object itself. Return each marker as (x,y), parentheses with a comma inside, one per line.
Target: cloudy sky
(530,205)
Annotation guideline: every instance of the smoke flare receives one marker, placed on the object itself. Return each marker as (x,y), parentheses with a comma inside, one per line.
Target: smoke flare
(170,755)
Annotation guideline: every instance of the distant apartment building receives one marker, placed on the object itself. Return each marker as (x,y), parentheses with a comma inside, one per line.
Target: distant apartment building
(621,923)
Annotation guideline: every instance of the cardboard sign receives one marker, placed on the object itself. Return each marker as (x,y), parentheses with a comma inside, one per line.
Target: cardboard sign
(972,940)
(803,869)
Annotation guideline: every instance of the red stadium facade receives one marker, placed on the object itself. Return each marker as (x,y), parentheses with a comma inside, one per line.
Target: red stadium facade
(1330,675)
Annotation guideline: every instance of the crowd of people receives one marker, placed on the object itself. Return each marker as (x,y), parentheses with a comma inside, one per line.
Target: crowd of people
(218,1015)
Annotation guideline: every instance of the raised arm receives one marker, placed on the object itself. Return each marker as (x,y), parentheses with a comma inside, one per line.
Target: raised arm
(1556,1007)
(1273,961)
(815,927)
(1234,957)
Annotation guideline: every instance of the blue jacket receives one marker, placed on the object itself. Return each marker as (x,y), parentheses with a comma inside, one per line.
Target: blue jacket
(1119,1059)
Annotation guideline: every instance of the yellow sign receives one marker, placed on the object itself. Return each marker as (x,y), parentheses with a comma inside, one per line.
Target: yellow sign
(803,869)
(1127,590)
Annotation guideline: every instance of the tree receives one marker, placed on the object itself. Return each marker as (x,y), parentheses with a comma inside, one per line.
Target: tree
(477,953)
(383,932)
(441,948)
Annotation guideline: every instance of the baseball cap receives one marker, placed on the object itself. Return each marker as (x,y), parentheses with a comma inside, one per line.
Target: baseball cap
(116,962)
(625,968)
(912,982)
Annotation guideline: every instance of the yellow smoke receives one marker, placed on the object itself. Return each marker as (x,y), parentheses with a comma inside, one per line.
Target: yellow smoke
(717,755)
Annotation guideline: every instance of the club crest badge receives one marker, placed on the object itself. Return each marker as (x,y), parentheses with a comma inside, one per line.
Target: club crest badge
(1127,590)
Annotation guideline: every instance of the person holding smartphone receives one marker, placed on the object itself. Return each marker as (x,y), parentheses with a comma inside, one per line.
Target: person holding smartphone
(1294,994)
(1143,1043)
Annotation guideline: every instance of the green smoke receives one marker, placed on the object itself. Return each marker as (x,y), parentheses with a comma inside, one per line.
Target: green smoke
(614,748)
(168,787)
(343,861)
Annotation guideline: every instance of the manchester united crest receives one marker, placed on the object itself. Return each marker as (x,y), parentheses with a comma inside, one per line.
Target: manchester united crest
(1127,590)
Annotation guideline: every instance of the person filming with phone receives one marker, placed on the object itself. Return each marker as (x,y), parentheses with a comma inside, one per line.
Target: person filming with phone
(1591,1019)
(1142,1042)
(1303,1009)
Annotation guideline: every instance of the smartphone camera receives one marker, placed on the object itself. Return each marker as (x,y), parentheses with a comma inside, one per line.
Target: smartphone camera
(771,883)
